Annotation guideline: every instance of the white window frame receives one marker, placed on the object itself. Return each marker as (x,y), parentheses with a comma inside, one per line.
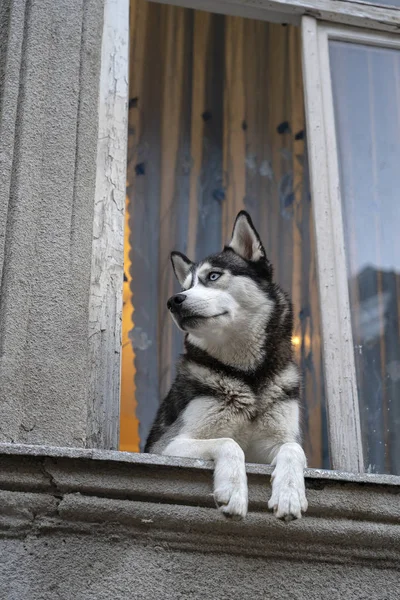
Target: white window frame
(340,375)
(318,19)
(107,272)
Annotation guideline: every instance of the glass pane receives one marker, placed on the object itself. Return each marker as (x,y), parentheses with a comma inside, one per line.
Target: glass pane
(216,124)
(366,91)
(395,3)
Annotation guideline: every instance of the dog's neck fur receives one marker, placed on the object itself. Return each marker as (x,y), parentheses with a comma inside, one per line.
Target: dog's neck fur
(243,349)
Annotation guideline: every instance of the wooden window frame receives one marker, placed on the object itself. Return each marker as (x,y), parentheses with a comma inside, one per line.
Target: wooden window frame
(320,20)
(107,272)
(340,375)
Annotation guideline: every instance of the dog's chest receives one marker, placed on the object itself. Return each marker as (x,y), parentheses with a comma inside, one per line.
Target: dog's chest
(230,410)
(234,398)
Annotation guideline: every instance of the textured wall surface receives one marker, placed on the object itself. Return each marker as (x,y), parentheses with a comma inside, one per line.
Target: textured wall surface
(107,565)
(89,524)
(49,76)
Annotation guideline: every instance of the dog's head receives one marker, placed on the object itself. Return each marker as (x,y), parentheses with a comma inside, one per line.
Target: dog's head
(225,292)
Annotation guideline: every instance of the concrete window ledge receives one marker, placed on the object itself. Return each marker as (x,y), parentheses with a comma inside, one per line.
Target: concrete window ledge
(166,502)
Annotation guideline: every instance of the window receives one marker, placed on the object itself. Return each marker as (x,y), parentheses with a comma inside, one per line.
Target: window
(360,75)
(216,125)
(247,148)
(395,3)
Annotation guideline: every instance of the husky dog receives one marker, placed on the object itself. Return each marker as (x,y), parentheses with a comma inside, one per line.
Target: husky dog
(236,392)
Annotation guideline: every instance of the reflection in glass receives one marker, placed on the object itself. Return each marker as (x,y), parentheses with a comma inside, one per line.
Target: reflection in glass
(366,91)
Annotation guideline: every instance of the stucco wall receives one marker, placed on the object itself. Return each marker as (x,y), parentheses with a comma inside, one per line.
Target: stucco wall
(110,565)
(49,69)
(98,525)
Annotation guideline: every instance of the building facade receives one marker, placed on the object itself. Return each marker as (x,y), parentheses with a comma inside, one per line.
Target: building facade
(78,518)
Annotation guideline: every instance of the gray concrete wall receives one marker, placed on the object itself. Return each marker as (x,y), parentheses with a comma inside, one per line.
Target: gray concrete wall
(95,525)
(110,565)
(49,76)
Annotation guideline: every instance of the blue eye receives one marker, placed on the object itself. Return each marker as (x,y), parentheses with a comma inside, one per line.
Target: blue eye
(213,276)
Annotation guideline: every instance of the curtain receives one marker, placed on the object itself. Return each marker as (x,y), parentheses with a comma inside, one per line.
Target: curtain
(216,124)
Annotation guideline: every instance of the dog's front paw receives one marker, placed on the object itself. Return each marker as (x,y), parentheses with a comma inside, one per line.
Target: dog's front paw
(230,481)
(288,501)
(231,498)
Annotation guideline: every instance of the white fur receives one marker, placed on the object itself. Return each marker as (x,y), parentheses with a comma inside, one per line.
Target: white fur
(209,433)
(288,499)
(205,418)
(230,480)
(288,378)
(237,337)
(277,426)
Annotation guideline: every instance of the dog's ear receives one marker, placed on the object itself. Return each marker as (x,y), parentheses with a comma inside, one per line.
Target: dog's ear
(181,265)
(245,239)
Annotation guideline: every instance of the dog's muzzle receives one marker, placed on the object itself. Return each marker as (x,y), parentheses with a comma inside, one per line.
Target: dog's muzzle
(174,304)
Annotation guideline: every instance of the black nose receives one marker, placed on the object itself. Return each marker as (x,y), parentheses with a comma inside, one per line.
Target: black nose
(175,301)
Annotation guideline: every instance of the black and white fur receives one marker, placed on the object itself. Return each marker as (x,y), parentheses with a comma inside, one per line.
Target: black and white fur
(236,392)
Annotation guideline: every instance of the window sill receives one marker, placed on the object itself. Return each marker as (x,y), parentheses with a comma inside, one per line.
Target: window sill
(168,500)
